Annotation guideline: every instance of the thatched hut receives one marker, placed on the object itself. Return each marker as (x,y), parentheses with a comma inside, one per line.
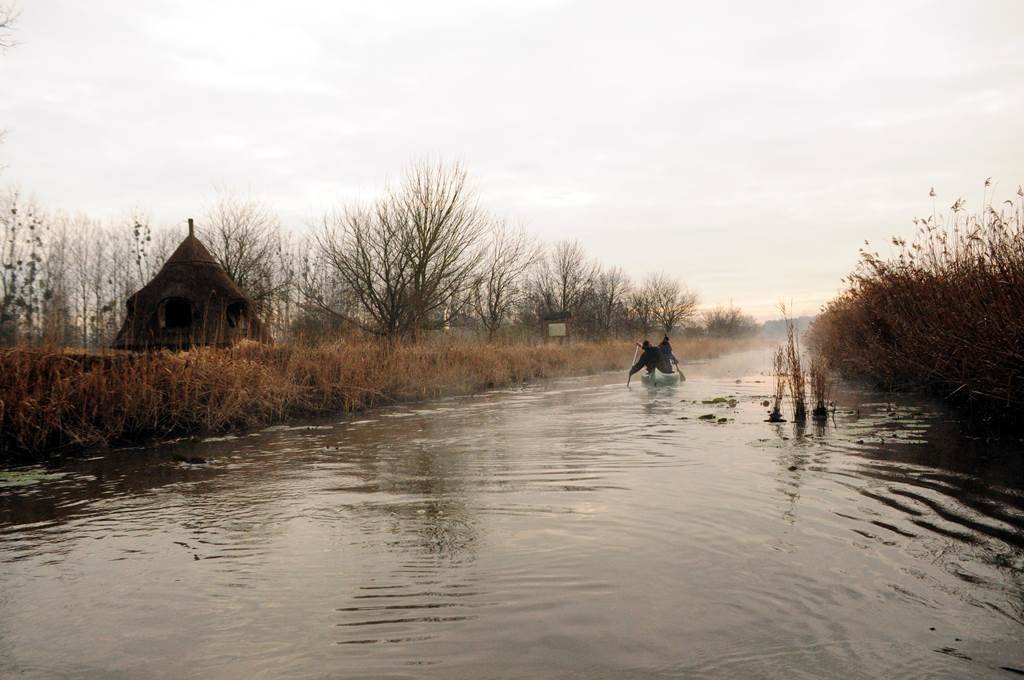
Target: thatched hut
(191,301)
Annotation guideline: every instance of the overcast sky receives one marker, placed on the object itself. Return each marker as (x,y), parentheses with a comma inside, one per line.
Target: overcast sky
(747,147)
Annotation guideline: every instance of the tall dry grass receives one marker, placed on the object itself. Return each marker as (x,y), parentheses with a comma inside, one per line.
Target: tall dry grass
(795,370)
(54,401)
(945,312)
(779,369)
(821,386)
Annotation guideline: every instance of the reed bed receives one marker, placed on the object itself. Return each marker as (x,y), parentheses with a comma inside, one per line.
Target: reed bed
(944,313)
(53,401)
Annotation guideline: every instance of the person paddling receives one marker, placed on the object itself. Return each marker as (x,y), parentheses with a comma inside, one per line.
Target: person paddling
(649,359)
(668,358)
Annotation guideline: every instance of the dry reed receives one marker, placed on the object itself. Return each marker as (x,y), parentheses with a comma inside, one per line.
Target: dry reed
(779,373)
(794,368)
(944,313)
(821,387)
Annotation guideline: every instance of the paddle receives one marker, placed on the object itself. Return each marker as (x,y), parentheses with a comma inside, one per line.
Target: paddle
(630,376)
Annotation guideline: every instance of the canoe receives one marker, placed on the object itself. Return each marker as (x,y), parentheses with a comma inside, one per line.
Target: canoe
(659,378)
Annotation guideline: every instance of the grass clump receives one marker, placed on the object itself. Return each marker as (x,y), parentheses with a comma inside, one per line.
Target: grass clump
(821,387)
(779,384)
(794,368)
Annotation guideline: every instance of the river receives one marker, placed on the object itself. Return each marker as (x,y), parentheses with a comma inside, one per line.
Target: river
(570,529)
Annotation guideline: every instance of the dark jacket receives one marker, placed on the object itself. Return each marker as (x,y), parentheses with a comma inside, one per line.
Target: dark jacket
(649,360)
(667,358)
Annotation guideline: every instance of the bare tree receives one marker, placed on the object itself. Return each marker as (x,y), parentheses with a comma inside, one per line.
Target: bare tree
(563,279)
(444,228)
(8,17)
(244,234)
(408,259)
(326,301)
(674,304)
(640,306)
(498,283)
(22,250)
(363,249)
(611,288)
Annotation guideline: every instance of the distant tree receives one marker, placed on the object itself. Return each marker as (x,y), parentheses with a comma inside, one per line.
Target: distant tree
(8,17)
(729,322)
(563,279)
(640,307)
(498,283)
(22,249)
(244,234)
(328,306)
(610,292)
(673,303)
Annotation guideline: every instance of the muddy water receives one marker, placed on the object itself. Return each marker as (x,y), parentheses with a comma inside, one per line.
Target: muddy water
(576,529)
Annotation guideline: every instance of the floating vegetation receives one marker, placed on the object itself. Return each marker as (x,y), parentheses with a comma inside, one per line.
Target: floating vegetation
(27,476)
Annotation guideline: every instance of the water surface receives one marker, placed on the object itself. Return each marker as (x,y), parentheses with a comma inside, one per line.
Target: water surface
(573,529)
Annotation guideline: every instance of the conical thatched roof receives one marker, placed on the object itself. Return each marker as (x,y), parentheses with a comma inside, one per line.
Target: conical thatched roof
(191,301)
(191,251)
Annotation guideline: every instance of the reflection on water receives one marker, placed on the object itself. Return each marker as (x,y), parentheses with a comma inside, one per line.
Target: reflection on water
(575,529)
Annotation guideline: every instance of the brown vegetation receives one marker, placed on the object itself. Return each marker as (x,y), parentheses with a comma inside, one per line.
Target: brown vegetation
(795,371)
(54,401)
(779,374)
(945,312)
(788,371)
(821,386)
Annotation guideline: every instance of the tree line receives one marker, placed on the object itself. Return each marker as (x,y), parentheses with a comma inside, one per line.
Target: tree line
(422,258)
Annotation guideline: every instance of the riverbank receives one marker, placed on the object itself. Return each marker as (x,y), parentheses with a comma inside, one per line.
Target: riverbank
(56,402)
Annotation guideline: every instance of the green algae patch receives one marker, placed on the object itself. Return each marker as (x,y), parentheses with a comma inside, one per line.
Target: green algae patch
(27,477)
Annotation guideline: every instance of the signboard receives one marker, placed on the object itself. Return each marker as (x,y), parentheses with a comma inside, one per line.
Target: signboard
(556,329)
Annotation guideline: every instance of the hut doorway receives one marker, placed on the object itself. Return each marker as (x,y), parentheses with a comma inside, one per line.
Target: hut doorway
(177,313)
(236,315)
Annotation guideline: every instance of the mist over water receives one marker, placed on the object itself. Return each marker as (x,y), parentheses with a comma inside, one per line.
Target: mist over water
(575,528)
